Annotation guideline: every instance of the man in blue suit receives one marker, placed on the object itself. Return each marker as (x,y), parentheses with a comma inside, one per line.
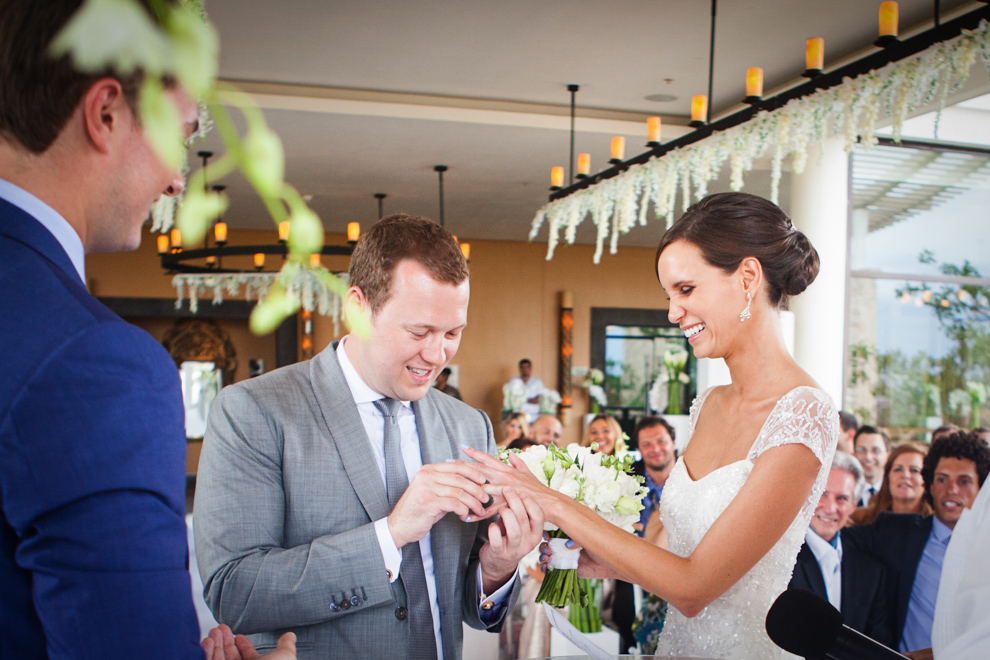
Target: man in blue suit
(92,447)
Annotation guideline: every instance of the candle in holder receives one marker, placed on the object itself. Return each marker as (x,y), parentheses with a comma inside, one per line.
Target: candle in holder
(754,82)
(163,244)
(618,147)
(211,261)
(175,237)
(653,129)
(556,176)
(220,232)
(283,230)
(584,164)
(314,259)
(814,54)
(353,231)
(699,108)
(259,260)
(888,19)
(466,250)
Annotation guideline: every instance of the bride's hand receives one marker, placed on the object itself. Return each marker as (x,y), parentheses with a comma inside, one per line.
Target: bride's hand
(592,568)
(517,475)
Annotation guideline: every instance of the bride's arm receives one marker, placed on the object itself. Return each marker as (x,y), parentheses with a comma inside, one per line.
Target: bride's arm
(753,522)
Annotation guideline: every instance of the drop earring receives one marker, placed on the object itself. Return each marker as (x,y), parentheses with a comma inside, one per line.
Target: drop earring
(743,315)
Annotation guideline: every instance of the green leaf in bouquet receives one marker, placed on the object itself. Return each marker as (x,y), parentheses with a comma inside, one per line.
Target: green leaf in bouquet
(197,212)
(116,34)
(161,123)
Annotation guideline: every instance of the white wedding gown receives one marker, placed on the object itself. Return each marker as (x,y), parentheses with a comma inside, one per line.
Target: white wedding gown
(733,626)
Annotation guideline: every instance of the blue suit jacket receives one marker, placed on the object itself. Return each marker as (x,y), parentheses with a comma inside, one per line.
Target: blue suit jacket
(898,540)
(92,461)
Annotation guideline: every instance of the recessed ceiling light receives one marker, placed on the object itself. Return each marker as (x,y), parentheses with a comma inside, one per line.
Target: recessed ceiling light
(307,198)
(661,98)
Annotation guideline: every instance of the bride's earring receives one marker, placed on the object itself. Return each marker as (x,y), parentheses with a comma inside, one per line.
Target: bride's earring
(743,315)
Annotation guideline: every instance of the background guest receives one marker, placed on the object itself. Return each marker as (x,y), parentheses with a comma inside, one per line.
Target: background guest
(604,430)
(912,547)
(546,430)
(533,386)
(441,384)
(515,427)
(848,425)
(872,446)
(903,489)
(944,430)
(853,581)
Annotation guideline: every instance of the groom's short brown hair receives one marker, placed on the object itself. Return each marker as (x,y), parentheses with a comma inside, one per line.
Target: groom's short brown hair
(399,237)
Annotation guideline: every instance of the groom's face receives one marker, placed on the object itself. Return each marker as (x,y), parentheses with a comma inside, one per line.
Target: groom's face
(414,334)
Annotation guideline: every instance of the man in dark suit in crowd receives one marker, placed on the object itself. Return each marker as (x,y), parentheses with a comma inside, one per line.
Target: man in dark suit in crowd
(912,547)
(92,445)
(654,438)
(853,581)
(872,446)
(848,425)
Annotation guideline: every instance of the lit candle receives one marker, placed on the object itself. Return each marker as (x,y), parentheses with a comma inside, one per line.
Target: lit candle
(211,261)
(163,244)
(618,147)
(814,54)
(754,81)
(175,236)
(653,129)
(353,231)
(314,259)
(584,164)
(888,19)
(220,232)
(699,107)
(259,260)
(466,250)
(556,176)
(283,230)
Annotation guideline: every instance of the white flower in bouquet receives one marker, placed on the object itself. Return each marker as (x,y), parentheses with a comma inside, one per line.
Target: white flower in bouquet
(549,400)
(513,396)
(600,482)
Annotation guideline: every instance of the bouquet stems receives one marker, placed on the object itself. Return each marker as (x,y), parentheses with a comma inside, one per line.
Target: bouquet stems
(588,618)
(561,586)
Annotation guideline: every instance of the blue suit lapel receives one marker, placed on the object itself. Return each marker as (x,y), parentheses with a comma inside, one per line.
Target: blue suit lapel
(25,229)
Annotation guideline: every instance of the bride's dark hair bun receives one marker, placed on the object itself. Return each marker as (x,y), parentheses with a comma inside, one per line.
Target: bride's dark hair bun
(728,227)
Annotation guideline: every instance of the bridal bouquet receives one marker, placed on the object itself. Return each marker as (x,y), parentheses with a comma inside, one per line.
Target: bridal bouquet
(600,482)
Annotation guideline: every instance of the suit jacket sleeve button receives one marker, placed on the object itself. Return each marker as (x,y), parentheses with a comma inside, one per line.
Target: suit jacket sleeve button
(355,601)
(401,613)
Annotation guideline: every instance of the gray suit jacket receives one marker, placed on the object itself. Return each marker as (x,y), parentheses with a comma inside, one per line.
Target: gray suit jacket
(287,494)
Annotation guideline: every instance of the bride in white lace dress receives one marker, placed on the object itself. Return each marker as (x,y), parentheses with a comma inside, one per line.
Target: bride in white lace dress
(738,501)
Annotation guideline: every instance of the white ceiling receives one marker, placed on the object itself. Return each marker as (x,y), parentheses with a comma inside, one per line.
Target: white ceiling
(368,96)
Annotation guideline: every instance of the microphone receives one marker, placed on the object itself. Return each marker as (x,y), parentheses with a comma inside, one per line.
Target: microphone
(804,624)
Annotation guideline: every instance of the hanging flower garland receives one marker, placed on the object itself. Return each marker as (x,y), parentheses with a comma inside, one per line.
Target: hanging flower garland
(851,109)
(308,283)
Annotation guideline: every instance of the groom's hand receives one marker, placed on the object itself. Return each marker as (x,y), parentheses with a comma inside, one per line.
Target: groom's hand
(222,645)
(435,491)
(512,537)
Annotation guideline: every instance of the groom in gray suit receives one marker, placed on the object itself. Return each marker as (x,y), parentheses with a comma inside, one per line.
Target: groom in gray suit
(331,501)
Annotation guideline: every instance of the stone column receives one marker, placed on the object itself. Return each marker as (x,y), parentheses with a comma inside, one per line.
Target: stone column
(820,209)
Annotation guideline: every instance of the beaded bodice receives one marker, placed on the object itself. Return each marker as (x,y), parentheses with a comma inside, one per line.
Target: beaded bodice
(733,626)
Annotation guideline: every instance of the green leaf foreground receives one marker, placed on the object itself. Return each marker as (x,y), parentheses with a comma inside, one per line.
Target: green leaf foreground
(120,35)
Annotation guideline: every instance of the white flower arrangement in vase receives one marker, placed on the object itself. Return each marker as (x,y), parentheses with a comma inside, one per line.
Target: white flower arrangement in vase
(513,396)
(549,400)
(674,378)
(596,393)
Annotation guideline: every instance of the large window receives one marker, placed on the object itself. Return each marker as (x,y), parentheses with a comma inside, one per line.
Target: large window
(919,303)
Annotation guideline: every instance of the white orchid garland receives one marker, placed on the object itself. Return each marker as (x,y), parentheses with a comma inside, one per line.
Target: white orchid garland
(851,109)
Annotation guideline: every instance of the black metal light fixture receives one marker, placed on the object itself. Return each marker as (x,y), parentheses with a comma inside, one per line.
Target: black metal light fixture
(381,198)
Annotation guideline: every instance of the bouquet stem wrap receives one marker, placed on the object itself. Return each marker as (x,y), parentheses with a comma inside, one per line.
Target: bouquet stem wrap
(561,585)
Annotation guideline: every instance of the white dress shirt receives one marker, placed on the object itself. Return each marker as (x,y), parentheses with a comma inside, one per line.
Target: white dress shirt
(867,495)
(534,388)
(52,220)
(830,562)
(412,459)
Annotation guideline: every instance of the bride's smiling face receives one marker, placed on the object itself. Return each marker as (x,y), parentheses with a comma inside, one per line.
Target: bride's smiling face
(704,301)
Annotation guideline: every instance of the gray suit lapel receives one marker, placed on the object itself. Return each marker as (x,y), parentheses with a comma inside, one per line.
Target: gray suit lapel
(343,424)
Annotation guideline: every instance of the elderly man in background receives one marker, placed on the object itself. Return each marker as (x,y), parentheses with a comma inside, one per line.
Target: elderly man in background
(851,580)
(912,547)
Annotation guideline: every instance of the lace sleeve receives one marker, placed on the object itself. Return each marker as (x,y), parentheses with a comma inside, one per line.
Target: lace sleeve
(804,415)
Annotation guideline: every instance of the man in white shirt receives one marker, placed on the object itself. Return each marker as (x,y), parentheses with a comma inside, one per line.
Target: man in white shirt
(330,500)
(872,447)
(533,386)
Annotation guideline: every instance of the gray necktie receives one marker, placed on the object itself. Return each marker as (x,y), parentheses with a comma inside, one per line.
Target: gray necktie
(422,642)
